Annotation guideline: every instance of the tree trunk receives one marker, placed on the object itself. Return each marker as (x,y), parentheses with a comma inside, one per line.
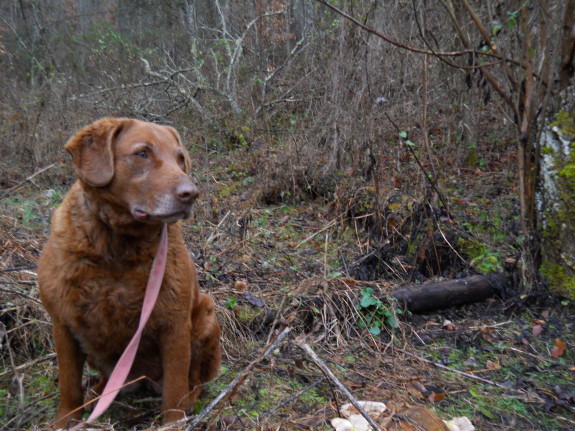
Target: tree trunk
(556,199)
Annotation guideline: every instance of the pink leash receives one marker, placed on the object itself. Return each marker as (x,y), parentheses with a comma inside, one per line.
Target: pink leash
(122,369)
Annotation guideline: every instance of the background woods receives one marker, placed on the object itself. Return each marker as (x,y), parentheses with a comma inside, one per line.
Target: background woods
(340,146)
(333,82)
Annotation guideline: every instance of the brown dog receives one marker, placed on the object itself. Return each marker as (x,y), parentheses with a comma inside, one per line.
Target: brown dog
(94,268)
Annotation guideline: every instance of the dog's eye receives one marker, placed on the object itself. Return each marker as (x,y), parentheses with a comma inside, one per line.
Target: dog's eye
(181,160)
(144,154)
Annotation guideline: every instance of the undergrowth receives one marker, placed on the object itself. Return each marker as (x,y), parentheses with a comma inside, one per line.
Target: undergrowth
(298,259)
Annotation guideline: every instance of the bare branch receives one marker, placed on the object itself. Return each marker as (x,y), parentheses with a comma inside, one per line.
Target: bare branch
(418,50)
(236,383)
(324,368)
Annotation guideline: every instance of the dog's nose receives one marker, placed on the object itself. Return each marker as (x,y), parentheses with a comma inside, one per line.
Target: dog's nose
(187,192)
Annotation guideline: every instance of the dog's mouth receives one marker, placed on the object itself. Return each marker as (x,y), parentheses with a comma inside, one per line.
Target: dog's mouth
(144,216)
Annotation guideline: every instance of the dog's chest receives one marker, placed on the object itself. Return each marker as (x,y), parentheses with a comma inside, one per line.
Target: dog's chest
(107,307)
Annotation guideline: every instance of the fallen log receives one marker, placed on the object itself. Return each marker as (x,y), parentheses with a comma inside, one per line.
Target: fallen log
(450,293)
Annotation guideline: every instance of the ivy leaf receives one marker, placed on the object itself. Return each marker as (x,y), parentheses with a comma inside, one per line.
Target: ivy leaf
(374,330)
(392,322)
(403,135)
(367,301)
(408,142)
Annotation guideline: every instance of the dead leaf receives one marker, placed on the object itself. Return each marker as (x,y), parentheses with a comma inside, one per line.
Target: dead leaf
(545,314)
(415,388)
(491,365)
(436,397)
(539,322)
(417,418)
(299,364)
(559,349)
(240,285)
(448,325)
(537,330)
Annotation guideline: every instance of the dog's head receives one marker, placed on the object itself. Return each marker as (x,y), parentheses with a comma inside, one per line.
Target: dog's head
(139,166)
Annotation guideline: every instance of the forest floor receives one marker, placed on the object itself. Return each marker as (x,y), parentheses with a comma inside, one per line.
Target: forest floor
(505,363)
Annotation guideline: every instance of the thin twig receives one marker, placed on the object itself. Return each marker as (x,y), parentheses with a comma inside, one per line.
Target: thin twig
(315,358)
(461,373)
(215,232)
(20,184)
(327,226)
(29,364)
(421,51)
(290,399)
(15,292)
(18,268)
(236,383)
(433,184)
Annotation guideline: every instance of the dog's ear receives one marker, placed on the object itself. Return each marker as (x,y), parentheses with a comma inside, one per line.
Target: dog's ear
(92,150)
(187,161)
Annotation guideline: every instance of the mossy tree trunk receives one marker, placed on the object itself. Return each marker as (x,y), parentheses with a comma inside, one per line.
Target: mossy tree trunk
(556,199)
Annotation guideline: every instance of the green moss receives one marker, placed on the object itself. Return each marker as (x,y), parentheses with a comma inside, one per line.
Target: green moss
(559,279)
(246,313)
(551,228)
(568,171)
(480,256)
(564,124)
(471,248)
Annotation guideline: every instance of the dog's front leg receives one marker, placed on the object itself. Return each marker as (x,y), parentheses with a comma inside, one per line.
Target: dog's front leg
(176,364)
(70,363)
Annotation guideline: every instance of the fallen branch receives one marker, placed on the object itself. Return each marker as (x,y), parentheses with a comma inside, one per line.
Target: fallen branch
(449,293)
(312,355)
(463,373)
(36,361)
(20,184)
(237,382)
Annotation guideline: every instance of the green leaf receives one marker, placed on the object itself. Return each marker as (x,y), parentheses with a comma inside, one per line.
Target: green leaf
(474,392)
(486,412)
(374,330)
(496,29)
(392,322)
(403,135)
(368,291)
(408,142)
(367,301)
